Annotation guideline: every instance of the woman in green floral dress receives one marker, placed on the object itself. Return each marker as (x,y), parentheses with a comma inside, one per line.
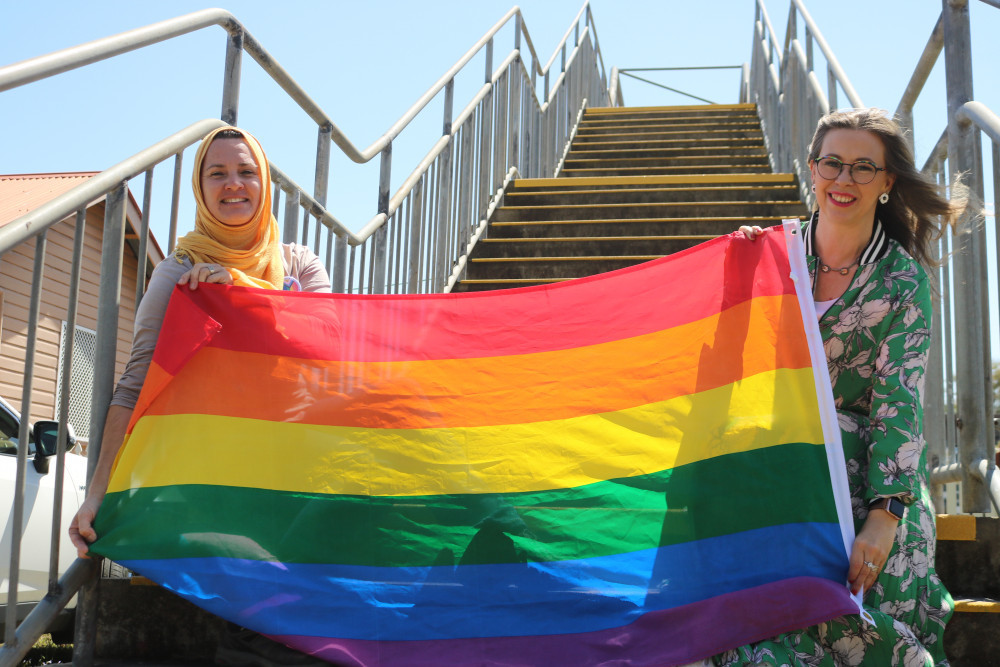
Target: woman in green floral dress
(865,244)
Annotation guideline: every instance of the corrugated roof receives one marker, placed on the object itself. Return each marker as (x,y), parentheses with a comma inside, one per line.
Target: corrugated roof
(20,193)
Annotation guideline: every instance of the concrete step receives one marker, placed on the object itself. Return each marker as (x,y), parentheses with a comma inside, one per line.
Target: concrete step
(481,285)
(684,111)
(536,268)
(662,210)
(679,142)
(655,195)
(680,170)
(641,150)
(671,159)
(583,246)
(627,182)
(679,226)
(968,562)
(669,132)
(691,125)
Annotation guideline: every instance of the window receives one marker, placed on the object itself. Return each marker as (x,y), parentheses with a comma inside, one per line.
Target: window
(10,432)
(81,378)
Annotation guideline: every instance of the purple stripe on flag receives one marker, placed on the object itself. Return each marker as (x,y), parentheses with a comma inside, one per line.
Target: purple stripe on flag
(657,639)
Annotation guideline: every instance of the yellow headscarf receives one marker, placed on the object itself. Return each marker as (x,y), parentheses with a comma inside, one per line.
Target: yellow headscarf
(251,252)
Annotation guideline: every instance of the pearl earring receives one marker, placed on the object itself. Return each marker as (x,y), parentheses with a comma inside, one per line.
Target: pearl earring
(884,197)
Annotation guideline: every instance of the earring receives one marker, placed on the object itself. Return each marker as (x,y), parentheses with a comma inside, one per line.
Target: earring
(814,187)
(884,197)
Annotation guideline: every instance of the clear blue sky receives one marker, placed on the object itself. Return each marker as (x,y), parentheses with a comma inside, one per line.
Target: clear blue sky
(364,63)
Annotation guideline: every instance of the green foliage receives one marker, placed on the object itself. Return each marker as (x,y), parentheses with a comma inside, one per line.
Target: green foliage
(45,652)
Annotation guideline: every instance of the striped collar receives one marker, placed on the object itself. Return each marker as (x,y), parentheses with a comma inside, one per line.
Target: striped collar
(878,244)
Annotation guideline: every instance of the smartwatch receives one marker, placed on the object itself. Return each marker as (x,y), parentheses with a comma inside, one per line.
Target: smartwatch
(893,506)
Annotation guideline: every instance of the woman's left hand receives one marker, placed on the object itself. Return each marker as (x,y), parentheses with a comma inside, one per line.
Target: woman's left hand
(872,545)
(205,273)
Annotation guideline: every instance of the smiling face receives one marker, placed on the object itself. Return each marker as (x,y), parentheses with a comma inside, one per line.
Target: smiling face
(842,200)
(230,181)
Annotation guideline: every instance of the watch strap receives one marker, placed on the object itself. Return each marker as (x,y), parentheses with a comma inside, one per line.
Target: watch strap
(893,506)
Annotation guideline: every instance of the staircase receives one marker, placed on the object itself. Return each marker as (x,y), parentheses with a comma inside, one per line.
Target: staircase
(968,563)
(637,184)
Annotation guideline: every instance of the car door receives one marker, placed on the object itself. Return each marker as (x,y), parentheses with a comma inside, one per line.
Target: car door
(37,516)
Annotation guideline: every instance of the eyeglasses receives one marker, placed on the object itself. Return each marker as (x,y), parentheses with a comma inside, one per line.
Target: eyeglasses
(862,172)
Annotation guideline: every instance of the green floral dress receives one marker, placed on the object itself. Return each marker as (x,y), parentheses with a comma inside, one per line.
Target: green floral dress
(876,338)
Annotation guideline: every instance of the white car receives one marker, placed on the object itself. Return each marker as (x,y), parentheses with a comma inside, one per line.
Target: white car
(40,474)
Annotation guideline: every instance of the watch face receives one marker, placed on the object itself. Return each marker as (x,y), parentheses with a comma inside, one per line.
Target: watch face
(896,507)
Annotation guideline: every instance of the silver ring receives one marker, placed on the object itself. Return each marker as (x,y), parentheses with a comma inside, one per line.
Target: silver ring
(211,270)
(872,566)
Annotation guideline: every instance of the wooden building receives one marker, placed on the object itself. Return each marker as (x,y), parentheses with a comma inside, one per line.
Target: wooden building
(20,194)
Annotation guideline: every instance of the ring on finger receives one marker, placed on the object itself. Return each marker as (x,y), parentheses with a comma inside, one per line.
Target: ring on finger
(211,269)
(872,566)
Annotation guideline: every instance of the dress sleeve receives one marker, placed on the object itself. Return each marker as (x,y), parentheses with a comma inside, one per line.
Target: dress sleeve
(148,320)
(896,455)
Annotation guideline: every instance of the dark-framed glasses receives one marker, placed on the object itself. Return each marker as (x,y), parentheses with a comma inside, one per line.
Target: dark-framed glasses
(861,171)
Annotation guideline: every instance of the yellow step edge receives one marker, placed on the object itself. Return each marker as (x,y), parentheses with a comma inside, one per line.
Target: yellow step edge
(733,142)
(546,239)
(653,171)
(695,131)
(511,281)
(977,606)
(587,258)
(590,221)
(656,180)
(682,121)
(550,207)
(687,107)
(956,527)
(682,188)
(694,121)
(588,149)
(676,158)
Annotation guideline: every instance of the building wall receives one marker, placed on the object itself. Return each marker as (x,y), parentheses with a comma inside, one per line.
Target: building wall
(16,268)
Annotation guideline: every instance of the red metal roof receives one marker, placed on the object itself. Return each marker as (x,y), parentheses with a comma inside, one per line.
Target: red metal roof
(21,193)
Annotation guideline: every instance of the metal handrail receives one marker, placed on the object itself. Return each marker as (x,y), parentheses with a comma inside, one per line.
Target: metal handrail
(57,62)
(627,71)
(833,65)
(790,99)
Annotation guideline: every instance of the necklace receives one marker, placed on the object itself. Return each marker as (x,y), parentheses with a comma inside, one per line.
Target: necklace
(844,270)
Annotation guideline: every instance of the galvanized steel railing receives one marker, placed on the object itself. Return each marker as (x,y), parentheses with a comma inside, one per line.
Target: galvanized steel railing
(790,97)
(415,242)
(616,73)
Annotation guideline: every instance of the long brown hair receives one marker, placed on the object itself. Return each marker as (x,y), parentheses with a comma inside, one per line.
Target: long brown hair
(915,201)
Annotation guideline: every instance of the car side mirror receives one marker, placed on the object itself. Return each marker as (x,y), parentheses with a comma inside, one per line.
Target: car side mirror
(46,434)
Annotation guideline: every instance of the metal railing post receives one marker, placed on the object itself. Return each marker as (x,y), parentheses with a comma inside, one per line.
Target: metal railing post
(20,478)
(972,346)
(140,274)
(289,232)
(67,373)
(231,78)
(444,191)
(175,198)
(379,240)
(108,305)
(322,177)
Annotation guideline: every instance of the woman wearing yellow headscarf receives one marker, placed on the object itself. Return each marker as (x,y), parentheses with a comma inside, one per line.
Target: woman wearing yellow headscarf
(235,242)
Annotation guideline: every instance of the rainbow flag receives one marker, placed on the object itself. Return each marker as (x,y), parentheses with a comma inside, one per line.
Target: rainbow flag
(641,467)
